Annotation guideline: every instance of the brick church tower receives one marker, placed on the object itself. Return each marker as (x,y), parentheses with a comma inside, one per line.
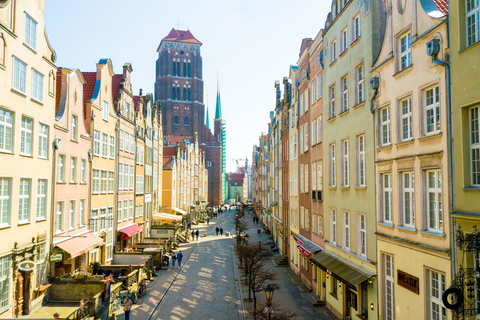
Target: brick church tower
(179,87)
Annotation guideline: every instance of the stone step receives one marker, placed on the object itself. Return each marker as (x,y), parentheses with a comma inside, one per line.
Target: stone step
(315,300)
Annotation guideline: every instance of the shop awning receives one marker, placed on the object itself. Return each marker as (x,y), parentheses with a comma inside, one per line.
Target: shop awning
(130,231)
(306,246)
(80,244)
(179,210)
(166,216)
(346,271)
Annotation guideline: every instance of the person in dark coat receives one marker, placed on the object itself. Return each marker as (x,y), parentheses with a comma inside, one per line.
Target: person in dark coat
(217,230)
(197,233)
(221,231)
(193,235)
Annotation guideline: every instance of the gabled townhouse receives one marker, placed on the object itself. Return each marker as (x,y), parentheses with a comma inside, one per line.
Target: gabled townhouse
(140,136)
(101,122)
(27,112)
(285,183)
(72,238)
(352,39)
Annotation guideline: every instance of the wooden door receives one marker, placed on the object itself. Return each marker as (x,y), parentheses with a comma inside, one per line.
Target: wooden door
(19,296)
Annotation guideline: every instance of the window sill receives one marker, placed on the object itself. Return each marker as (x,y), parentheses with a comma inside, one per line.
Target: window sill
(469,47)
(83,183)
(405,142)
(344,112)
(331,119)
(408,229)
(6,152)
(41,219)
(361,188)
(5,226)
(42,158)
(471,189)
(22,223)
(26,155)
(358,105)
(334,295)
(23,94)
(5,309)
(30,48)
(354,42)
(410,67)
(36,101)
(386,224)
(74,141)
(433,234)
(345,188)
(73,182)
(431,136)
(385,146)
(61,182)
(333,62)
(332,188)
(343,53)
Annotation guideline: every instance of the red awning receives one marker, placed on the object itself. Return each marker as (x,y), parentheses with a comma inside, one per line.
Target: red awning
(130,231)
(80,244)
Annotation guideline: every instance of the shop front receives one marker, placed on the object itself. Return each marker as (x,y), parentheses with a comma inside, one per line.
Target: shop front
(348,289)
(126,236)
(306,250)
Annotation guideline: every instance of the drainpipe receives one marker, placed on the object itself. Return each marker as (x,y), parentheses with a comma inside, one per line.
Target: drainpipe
(451,193)
(52,205)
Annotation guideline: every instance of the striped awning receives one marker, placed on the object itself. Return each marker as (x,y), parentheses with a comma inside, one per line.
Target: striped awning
(306,246)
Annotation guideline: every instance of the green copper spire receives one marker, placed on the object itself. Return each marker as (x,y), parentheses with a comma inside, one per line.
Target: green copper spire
(207,120)
(218,110)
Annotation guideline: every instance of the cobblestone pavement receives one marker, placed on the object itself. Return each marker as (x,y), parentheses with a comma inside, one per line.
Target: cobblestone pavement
(204,287)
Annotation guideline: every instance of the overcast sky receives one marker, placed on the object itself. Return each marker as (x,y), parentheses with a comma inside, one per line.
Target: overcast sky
(249,43)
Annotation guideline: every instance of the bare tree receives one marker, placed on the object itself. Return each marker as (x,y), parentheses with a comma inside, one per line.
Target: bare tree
(240,227)
(275,311)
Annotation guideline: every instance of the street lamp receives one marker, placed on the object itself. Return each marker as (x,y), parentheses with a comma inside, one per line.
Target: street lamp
(269,289)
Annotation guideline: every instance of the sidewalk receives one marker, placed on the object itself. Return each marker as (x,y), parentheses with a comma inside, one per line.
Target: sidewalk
(292,294)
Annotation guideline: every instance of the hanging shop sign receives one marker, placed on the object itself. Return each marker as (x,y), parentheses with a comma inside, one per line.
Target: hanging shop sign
(408,281)
(26,266)
(57,256)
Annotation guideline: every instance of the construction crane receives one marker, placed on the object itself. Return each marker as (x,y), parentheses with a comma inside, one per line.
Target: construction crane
(237,161)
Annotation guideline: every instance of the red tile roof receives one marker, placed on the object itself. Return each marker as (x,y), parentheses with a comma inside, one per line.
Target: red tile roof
(89,86)
(181,36)
(116,79)
(172,140)
(169,151)
(442,6)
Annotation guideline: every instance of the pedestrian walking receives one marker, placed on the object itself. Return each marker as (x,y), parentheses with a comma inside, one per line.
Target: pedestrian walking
(217,230)
(253,219)
(174,258)
(197,233)
(208,221)
(127,307)
(179,258)
(221,231)
(193,235)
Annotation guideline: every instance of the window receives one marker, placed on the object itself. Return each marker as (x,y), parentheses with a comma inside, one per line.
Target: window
(320,86)
(319,176)
(334,50)
(59,217)
(385,126)
(42,141)
(83,171)
(356,27)
(40,270)
(125,209)
(360,84)
(314,176)
(131,177)
(345,164)
(127,142)
(334,286)
(96,181)
(344,94)
(332,166)
(362,230)
(319,130)
(26,136)
(344,37)
(105,110)
(305,140)
(137,210)
(432,110)
(295,146)
(314,132)
(332,102)
(132,144)
(434,200)
(120,176)
(472,21)
(300,138)
(306,190)
(94,221)
(125,176)
(130,210)
(346,230)
(109,246)
(5,268)
(405,52)
(30,32)
(408,204)
(61,168)
(71,214)
(73,169)
(37,85)
(74,128)
(307,101)
(387,197)
(6,130)
(96,143)
(104,182)
(105,145)
(475,146)
(175,120)
(389,297)
(41,199)
(333,226)
(301,104)
(119,211)
(406,119)
(435,289)
(314,91)
(19,75)
(81,221)
(112,147)
(103,217)
(307,219)
(5,201)
(110,181)
(120,139)
(186,122)
(361,161)
(302,178)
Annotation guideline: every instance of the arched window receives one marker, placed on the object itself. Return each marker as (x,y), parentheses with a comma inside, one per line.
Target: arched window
(174,96)
(178,93)
(174,71)
(189,73)
(175,120)
(189,98)
(184,69)
(186,122)
(184,93)
(178,69)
